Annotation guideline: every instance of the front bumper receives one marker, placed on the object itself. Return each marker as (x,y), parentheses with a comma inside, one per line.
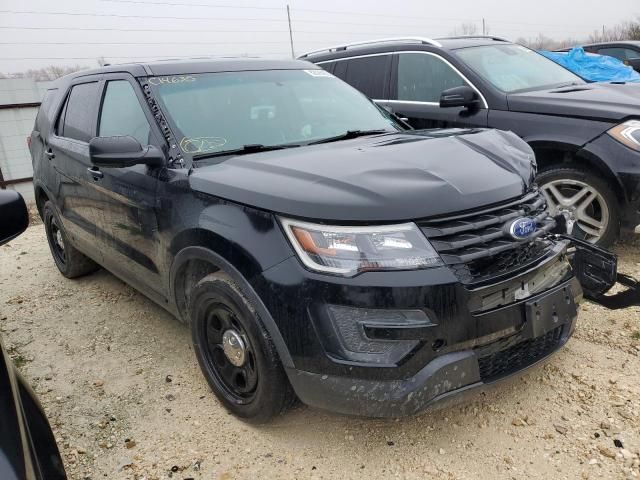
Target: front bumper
(451,373)
(624,163)
(473,336)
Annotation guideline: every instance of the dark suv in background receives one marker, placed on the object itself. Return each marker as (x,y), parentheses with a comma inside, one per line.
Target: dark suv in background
(312,244)
(625,51)
(586,137)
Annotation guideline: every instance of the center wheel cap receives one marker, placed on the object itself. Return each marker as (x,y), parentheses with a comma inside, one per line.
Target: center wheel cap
(233,347)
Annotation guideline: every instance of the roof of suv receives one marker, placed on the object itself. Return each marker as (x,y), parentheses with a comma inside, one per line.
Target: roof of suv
(635,43)
(404,43)
(190,66)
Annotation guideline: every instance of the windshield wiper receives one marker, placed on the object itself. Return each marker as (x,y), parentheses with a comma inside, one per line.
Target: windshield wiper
(348,135)
(244,150)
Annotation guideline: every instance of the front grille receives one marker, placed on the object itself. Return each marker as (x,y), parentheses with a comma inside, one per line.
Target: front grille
(518,356)
(476,245)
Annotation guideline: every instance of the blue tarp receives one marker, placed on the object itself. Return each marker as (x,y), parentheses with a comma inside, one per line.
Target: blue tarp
(594,68)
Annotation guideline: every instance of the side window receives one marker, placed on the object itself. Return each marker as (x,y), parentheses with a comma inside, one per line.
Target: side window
(370,75)
(423,78)
(78,116)
(45,110)
(122,113)
(619,53)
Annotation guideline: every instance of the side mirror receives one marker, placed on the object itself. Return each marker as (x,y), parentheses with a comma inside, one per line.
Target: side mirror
(14,215)
(123,151)
(459,97)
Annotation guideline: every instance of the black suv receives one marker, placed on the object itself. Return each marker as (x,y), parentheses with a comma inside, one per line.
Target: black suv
(312,245)
(586,137)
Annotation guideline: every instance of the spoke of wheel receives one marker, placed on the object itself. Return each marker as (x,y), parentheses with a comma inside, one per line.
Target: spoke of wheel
(212,340)
(595,233)
(573,200)
(225,317)
(587,201)
(559,198)
(251,374)
(227,372)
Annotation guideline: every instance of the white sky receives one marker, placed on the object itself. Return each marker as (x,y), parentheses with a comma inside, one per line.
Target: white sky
(79,31)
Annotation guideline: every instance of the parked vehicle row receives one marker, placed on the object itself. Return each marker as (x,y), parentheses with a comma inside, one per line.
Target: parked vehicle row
(316,247)
(586,137)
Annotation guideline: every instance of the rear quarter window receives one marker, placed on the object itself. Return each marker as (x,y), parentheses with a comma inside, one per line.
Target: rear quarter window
(45,112)
(78,117)
(370,75)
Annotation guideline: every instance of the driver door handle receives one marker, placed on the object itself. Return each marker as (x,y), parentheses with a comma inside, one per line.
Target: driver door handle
(49,153)
(95,173)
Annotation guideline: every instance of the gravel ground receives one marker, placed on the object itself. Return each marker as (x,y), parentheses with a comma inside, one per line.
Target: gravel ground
(125,397)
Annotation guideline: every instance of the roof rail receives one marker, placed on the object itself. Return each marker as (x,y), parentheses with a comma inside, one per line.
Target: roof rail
(489,37)
(422,40)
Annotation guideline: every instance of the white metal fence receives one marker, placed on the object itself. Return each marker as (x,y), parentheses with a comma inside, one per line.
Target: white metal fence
(19,101)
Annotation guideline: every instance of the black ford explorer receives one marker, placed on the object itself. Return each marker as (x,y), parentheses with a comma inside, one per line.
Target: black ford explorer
(315,248)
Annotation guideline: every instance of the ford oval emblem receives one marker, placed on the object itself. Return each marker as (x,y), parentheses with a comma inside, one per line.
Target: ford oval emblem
(522,228)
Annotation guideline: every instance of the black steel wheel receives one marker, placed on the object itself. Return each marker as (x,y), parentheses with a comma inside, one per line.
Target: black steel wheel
(69,260)
(235,352)
(230,353)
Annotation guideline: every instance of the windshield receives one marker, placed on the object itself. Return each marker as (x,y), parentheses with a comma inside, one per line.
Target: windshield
(513,68)
(216,112)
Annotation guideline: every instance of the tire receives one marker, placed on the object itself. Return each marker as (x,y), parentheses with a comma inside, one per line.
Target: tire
(70,261)
(257,390)
(573,181)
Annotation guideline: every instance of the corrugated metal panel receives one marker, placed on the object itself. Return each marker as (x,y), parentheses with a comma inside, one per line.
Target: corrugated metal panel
(19,100)
(15,125)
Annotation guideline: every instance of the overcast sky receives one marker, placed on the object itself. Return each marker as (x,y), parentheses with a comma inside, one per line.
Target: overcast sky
(37,33)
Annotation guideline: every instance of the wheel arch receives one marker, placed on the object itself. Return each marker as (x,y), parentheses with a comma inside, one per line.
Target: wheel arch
(212,253)
(41,197)
(552,154)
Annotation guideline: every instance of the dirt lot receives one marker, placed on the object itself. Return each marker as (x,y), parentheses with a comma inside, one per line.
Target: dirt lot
(122,389)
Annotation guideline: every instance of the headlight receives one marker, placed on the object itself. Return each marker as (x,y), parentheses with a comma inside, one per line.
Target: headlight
(351,250)
(627,133)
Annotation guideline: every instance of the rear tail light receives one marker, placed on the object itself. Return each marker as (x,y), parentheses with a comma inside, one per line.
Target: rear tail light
(29,141)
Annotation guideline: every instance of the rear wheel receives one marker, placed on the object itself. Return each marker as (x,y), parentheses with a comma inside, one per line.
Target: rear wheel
(70,261)
(586,201)
(235,351)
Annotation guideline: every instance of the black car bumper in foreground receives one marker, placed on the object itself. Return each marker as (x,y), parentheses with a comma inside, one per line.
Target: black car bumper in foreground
(398,346)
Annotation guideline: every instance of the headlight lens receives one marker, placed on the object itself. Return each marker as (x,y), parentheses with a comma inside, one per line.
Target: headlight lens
(350,250)
(627,133)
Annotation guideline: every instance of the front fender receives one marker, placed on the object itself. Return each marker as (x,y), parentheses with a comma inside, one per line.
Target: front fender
(219,262)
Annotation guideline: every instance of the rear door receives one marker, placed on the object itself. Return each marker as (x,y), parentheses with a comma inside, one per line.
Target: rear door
(68,152)
(417,82)
(128,229)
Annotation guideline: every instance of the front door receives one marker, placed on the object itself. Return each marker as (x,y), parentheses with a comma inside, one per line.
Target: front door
(417,82)
(128,228)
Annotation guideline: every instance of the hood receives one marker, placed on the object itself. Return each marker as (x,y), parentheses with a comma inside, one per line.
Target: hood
(385,178)
(602,101)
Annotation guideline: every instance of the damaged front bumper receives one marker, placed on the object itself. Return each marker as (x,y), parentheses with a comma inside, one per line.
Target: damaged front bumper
(388,344)
(545,323)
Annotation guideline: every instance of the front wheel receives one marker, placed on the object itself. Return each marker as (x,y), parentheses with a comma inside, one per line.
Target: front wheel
(586,201)
(235,352)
